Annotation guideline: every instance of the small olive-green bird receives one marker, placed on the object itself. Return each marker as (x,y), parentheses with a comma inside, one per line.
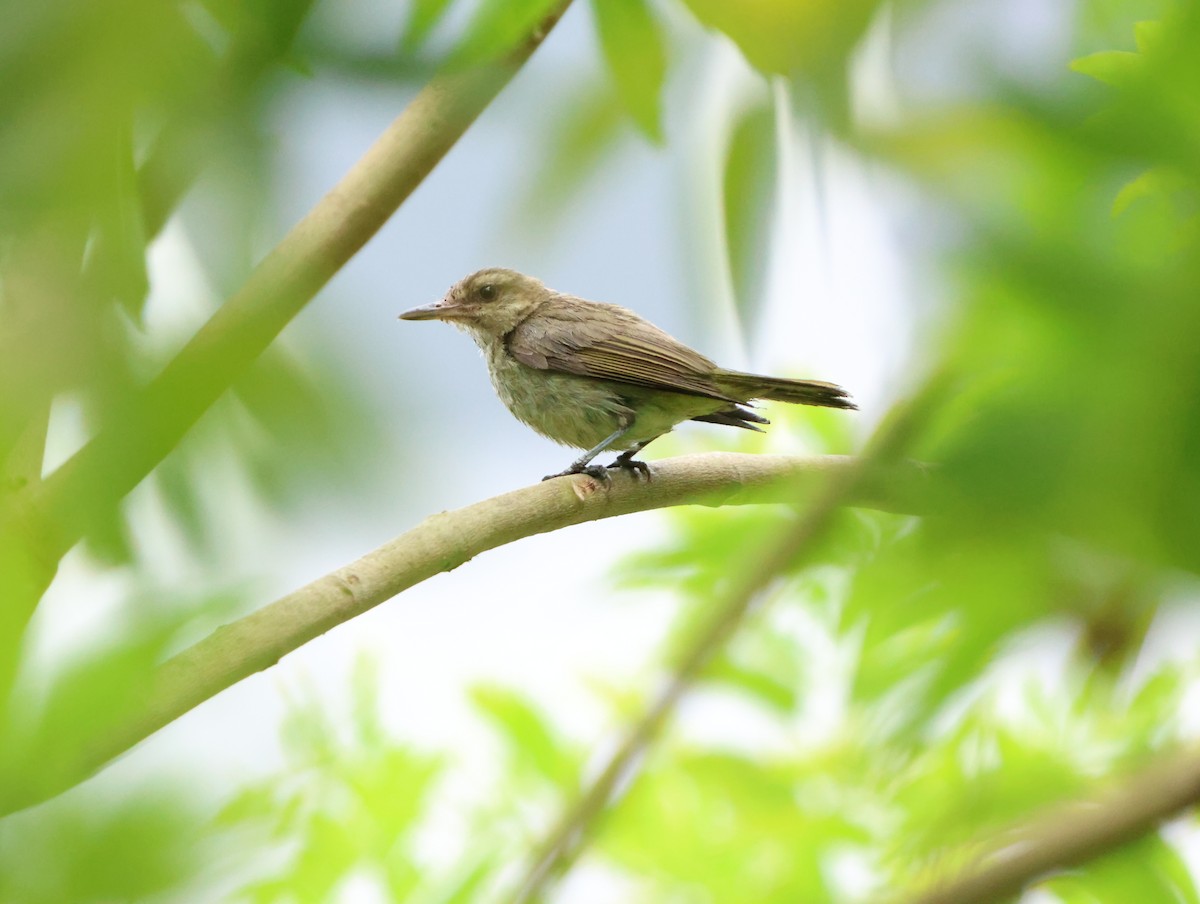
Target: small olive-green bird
(597,376)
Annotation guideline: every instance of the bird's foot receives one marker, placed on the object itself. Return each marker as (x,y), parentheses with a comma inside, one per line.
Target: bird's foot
(639,468)
(598,472)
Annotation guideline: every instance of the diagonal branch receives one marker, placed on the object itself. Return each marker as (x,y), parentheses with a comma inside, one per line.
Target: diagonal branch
(137,438)
(445,541)
(1072,834)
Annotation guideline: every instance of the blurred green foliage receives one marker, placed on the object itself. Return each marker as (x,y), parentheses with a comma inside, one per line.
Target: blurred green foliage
(919,685)
(749,199)
(340,806)
(138,849)
(633,50)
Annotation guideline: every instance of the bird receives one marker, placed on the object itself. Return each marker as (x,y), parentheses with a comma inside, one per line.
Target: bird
(599,377)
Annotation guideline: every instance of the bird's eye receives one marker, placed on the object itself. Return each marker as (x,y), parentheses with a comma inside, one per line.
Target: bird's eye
(487,291)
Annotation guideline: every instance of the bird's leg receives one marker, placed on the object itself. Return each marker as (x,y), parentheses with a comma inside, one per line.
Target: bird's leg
(583,465)
(625,460)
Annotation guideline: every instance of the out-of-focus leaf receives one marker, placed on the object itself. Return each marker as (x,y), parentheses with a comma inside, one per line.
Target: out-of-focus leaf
(1148,34)
(45,740)
(175,479)
(1120,68)
(1113,67)
(327,857)
(253,804)
(368,726)
(1143,186)
(392,785)
(768,661)
(932,603)
(117,256)
(637,59)
(1147,870)
(87,700)
(952,795)
(701,556)
(1165,187)
(1151,712)
(756,683)
(314,422)
(581,137)
(498,26)
(402,877)
(733,828)
(465,887)
(344,805)
(144,848)
(1167,861)
(748,192)
(786,37)
(1072,893)
(532,741)
(108,538)
(423,17)
(308,734)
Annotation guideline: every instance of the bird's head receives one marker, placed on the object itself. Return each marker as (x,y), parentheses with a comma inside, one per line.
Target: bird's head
(486,304)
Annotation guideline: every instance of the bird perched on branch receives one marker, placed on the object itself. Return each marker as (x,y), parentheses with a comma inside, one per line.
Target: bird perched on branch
(597,376)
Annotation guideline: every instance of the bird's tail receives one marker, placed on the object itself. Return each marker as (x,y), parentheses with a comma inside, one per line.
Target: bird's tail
(798,392)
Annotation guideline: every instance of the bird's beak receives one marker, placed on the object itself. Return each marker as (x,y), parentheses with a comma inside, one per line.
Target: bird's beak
(439,310)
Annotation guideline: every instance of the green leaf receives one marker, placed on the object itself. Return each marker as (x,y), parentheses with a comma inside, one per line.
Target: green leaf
(108,538)
(757,683)
(727,828)
(141,849)
(633,47)
(423,17)
(787,37)
(328,855)
(117,259)
(532,741)
(257,803)
(392,787)
(748,193)
(1160,697)
(368,727)
(1166,860)
(1160,183)
(465,887)
(1113,67)
(175,480)
(1148,34)
(1147,870)
(582,136)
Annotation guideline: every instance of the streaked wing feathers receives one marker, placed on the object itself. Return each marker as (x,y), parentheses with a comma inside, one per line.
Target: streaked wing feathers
(609,342)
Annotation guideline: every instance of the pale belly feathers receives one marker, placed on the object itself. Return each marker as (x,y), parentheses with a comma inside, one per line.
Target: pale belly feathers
(582,411)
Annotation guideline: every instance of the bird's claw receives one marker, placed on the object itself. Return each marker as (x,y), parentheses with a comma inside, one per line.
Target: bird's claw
(639,468)
(597,472)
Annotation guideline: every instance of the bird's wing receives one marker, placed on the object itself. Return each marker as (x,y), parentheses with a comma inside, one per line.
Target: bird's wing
(610,343)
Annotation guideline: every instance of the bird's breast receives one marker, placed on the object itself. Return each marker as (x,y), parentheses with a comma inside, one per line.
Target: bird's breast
(572,410)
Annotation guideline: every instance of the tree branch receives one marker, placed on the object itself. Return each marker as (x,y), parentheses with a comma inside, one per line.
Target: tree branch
(137,438)
(445,541)
(1071,834)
